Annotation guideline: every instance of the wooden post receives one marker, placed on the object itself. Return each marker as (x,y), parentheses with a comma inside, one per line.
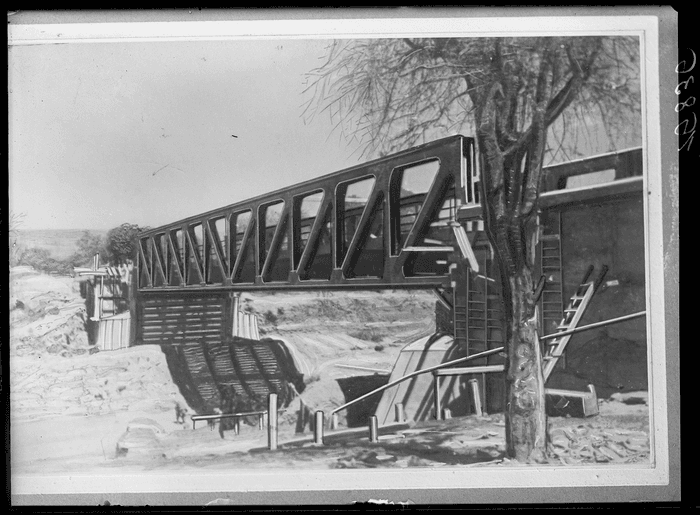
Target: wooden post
(334,420)
(400,414)
(300,417)
(272,422)
(236,425)
(318,428)
(446,414)
(476,396)
(484,396)
(373,429)
(234,314)
(261,421)
(436,395)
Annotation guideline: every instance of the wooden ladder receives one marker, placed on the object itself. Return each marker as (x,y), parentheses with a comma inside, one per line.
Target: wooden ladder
(552,296)
(572,315)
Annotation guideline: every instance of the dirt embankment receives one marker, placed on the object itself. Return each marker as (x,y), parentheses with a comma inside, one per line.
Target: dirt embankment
(130,379)
(47,315)
(336,335)
(72,406)
(55,372)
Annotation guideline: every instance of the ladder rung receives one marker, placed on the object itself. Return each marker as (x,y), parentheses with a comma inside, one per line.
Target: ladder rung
(549,237)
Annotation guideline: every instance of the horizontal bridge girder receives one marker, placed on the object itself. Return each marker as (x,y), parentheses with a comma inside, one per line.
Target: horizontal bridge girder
(383,224)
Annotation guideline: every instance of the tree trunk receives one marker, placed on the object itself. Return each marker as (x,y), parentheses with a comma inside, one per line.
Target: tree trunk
(526,421)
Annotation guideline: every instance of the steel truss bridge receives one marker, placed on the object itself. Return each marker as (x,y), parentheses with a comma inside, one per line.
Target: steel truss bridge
(359,228)
(409,220)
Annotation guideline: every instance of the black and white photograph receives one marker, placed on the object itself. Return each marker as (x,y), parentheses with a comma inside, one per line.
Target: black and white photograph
(332,256)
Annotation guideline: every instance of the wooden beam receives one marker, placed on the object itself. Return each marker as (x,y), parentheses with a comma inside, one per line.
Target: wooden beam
(597,192)
(428,249)
(469,370)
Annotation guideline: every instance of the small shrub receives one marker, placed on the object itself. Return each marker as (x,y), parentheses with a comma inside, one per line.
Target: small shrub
(379,348)
(368,334)
(41,260)
(270,317)
(280,312)
(312,378)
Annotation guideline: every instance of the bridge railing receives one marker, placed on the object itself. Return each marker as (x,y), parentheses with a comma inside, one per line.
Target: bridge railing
(400,380)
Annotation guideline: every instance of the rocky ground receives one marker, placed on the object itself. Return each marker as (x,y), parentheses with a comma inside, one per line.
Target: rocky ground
(78,410)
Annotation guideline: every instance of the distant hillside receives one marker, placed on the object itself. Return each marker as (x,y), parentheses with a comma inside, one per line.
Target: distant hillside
(60,243)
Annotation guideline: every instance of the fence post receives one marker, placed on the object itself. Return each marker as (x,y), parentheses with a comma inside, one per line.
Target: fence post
(400,415)
(436,394)
(475,394)
(334,420)
(446,414)
(318,428)
(301,418)
(236,425)
(272,422)
(373,429)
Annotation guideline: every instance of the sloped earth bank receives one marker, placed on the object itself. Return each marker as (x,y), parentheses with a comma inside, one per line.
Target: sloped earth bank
(75,411)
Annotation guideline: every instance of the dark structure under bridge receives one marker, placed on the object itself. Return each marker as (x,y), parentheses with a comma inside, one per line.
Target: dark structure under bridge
(410,220)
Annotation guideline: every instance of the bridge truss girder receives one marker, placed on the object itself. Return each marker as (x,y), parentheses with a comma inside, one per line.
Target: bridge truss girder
(385,237)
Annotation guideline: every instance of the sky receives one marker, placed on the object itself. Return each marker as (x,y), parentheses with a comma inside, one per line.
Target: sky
(142,132)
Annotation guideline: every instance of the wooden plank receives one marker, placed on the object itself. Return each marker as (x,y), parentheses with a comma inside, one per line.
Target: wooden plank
(428,249)
(470,370)
(562,402)
(596,192)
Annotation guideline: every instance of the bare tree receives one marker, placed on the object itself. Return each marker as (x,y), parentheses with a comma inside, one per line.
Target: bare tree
(524,99)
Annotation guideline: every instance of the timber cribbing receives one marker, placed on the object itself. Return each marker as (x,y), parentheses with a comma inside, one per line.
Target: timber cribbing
(252,369)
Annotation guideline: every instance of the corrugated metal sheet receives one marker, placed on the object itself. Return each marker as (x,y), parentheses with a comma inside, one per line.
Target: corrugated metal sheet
(245,325)
(114,332)
(416,394)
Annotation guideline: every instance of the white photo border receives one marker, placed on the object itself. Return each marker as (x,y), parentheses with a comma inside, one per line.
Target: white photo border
(486,484)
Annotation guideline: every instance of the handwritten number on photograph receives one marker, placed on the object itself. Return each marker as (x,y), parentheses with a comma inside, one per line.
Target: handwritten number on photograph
(684,104)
